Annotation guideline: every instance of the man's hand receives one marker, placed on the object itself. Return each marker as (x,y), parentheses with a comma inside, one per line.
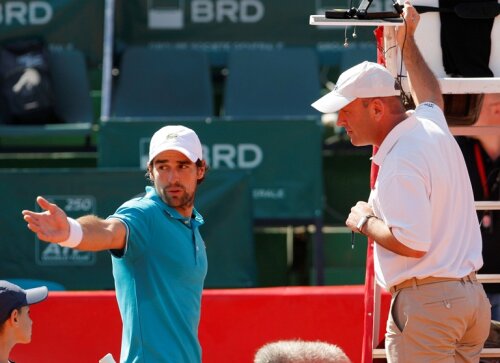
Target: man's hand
(423,84)
(360,210)
(411,18)
(51,225)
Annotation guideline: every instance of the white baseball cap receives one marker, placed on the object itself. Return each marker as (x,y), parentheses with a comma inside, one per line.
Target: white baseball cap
(179,138)
(364,80)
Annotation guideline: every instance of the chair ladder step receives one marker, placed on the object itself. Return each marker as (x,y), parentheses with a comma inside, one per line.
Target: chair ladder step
(487,205)
(485,353)
(474,130)
(488,278)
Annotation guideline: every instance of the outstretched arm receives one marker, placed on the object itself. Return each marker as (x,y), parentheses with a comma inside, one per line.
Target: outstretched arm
(52,226)
(424,86)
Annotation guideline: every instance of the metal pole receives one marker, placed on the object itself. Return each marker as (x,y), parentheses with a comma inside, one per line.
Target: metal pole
(107,59)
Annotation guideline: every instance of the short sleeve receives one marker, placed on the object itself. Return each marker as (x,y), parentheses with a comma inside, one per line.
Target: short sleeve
(135,217)
(432,112)
(406,208)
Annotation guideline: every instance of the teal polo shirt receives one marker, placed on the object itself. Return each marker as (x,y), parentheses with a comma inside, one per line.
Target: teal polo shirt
(159,280)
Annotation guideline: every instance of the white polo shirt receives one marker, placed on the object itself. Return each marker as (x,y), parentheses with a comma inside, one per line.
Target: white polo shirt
(423,193)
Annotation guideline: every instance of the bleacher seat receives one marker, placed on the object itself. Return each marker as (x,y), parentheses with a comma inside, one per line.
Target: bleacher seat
(157,82)
(72,103)
(268,84)
(71,86)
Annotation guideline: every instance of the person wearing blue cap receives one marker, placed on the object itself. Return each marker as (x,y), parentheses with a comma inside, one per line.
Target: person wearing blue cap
(15,320)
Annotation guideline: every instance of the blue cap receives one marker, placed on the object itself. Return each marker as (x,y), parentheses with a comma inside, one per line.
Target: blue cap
(13,297)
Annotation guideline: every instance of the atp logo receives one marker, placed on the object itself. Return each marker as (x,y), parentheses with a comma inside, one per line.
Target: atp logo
(51,254)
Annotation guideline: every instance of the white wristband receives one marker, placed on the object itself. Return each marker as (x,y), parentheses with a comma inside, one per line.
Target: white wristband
(75,234)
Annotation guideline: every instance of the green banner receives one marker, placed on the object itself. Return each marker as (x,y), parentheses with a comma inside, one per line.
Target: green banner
(217,26)
(284,158)
(62,23)
(227,232)
(228,228)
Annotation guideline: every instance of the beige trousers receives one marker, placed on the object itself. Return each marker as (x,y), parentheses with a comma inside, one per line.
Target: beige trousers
(443,322)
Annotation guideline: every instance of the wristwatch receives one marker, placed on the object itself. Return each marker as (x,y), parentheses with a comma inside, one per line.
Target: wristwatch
(363,221)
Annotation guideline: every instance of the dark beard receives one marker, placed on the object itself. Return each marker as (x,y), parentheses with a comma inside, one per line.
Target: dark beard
(185,200)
